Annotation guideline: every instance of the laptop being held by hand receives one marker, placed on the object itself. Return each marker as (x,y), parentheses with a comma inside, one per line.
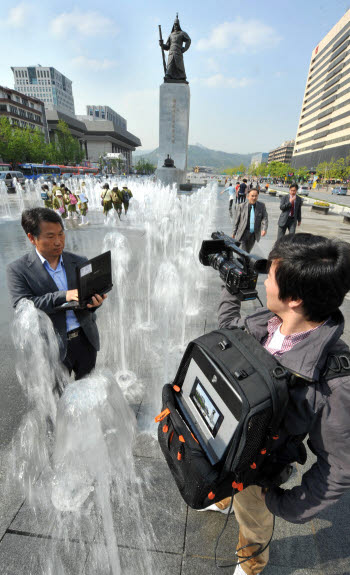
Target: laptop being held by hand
(93,277)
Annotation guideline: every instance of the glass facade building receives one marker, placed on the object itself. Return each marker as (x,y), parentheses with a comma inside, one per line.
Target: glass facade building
(324,126)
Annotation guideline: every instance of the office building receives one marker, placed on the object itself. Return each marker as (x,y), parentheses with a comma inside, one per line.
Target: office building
(324,126)
(105,113)
(23,111)
(283,153)
(257,159)
(46,84)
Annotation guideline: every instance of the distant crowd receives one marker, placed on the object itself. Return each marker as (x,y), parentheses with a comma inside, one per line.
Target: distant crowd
(71,205)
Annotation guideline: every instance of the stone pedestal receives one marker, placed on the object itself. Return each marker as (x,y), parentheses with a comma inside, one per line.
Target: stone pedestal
(174,116)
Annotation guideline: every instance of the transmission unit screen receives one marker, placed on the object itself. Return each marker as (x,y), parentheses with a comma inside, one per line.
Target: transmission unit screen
(207,409)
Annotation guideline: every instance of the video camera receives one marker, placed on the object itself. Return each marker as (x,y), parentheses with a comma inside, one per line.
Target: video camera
(238,269)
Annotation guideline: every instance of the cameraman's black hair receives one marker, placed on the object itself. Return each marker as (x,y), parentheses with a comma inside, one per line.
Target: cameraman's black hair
(294,185)
(31,220)
(314,269)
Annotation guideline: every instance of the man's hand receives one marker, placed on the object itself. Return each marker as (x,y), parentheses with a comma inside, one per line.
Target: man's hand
(263,233)
(72,295)
(299,223)
(97,300)
(233,237)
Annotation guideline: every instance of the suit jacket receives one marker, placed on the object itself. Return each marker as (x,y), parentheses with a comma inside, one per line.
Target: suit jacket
(285,206)
(241,219)
(27,278)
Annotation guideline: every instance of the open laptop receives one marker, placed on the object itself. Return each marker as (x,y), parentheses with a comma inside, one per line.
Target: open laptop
(93,277)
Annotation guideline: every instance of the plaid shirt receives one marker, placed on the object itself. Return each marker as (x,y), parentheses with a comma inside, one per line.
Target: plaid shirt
(289,341)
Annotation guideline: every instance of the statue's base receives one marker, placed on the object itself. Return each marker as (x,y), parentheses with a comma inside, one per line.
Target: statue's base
(174,117)
(169,176)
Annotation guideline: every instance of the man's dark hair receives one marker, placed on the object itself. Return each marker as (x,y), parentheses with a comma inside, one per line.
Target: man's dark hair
(244,180)
(253,190)
(31,220)
(314,269)
(294,185)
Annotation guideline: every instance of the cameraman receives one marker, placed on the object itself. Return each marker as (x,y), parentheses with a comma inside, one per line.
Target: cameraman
(302,325)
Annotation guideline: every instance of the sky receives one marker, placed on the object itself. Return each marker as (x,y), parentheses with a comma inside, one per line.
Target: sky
(247,64)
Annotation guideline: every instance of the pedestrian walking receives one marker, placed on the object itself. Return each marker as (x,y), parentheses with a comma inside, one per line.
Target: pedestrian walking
(106,199)
(232,195)
(290,216)
(251,221)
(117,200)
(59,205)
(71,201)
(54,188)
(242,192)
(127,195)
(237,189)
(83,208)
(46,195)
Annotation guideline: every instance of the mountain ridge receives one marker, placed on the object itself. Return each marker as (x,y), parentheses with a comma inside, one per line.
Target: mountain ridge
(199,155)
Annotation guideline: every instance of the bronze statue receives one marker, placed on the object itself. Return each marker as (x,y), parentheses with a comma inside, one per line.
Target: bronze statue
(175,69)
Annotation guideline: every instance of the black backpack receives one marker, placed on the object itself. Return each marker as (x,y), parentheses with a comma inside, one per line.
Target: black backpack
(250,373)
(126,196)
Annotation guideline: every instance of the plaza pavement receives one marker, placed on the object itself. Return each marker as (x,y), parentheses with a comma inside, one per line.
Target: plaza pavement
(184,542)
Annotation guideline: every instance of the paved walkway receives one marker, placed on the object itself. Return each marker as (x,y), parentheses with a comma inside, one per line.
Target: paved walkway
(184,539)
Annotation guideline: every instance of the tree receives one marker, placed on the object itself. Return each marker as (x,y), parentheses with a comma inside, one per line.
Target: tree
(39,150)
(302,173)
(14,144)
(261,170)
(66,149)
(118,164)
(144,167)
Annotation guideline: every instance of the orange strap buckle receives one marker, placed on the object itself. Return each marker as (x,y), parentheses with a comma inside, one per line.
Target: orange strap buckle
(211,495)
(176,388)
(238,486)
(181,438)
(165,429)
(275,437)
(253,466)
(179,456)
(263,451)
(162,415)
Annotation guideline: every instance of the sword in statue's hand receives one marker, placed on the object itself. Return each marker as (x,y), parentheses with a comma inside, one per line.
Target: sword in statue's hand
(161,45)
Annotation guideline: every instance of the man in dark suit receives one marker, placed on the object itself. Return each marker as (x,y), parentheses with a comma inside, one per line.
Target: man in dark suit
(251,221)
(290,212)
(47,277)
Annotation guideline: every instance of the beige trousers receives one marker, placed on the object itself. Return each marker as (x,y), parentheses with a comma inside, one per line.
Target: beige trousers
(255,526)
